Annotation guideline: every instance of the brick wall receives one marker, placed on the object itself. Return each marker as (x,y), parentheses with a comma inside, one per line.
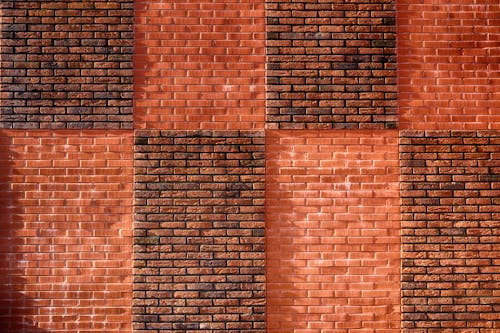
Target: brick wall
(331,64)
(203,111)
(199,65)
(332,231)
(450,219)
(199,232)
(66,64)
(66,238)
(449,64)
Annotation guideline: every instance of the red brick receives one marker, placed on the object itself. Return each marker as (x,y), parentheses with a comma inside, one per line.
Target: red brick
(326,258)
(444,40)
(199,66)
(77,231)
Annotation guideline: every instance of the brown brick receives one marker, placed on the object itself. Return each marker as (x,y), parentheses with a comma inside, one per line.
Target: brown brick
(452,219)
(69,67)
(201,229)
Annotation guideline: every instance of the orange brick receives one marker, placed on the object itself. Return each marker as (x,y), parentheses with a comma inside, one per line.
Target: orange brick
(308,249)
(71,226)
(202,64)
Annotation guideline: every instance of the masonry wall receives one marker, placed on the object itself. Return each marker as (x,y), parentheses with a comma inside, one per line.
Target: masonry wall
(243,166)
(199,65)
(332,231)
(331,64)
(450,219)
(199,232)
(66,64)
(448,65)
(66,236)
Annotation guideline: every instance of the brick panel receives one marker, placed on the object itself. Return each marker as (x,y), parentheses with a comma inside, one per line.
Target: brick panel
(332,231)
(66,64)
(199,65)
(199,232)
(65,237)
(331,64)
(449,64)
(451,223)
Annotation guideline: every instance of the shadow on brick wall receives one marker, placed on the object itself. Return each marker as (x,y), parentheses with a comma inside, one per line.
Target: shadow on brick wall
(16,310)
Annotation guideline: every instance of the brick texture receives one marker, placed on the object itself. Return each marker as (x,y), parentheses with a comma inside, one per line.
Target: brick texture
(199,232)
(66,64)
(331,64)
(332,231)
(449,64)
(199,65)
(450,219)
(65,236)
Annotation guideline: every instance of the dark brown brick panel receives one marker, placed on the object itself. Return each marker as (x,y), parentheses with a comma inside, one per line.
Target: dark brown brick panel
(450,193)
(331,64)
(66,64)
(199,232)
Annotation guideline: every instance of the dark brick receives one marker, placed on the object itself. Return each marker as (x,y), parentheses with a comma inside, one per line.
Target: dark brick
(448,268)
(67,50)
(201,233)
(344,51)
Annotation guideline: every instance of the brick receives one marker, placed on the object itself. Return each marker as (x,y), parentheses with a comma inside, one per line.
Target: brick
(333,247)
(73,271)
(205,236)
(200,66)
(67,64)
(461,94)
(454,238)
(349,72)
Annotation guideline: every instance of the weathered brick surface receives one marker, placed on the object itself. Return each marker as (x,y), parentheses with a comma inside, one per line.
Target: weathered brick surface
(199,65)
(66,231)
(449,64)
(332,231)
(66,64)
(199,231)
(331,64)
(451,222)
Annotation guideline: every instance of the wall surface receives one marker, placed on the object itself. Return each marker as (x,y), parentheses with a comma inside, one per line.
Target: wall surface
(249,166)
(66,231)
(331,64)
(332,231)
(66,64)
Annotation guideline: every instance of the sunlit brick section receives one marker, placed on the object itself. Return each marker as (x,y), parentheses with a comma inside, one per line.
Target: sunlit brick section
(332,231)
(199,65)
(449,64)
(65,235)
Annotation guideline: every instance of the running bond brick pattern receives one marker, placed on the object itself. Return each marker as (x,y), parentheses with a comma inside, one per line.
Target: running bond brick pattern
(66,64)
(199,232)
(449,64)
(332,231)
(331,64)
(199,65)
(65,235)
(451,231)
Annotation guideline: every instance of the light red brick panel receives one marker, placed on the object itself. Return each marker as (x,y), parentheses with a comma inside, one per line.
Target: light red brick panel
(449,64)
(332,231)
(199,65)
(65,240)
